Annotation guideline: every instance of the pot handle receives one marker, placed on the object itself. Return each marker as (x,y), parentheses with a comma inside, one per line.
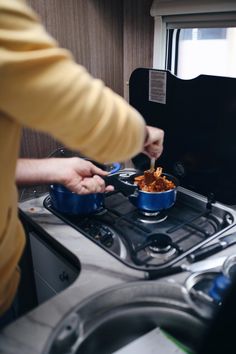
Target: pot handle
(122,186)
(133,199)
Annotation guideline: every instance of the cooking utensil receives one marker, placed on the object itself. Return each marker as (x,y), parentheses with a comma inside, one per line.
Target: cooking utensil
(152,164)
(207,251)
(149,174)
(206,265)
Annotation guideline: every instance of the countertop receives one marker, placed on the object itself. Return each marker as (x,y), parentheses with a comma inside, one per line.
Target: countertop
(99,270)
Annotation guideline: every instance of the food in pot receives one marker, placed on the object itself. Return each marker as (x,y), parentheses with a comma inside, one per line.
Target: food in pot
(153,181)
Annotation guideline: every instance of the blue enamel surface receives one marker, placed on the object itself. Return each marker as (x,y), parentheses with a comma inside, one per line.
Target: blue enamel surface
(152,202)
(67,202)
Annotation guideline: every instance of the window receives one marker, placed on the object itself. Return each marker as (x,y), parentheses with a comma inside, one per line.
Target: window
(197,37)
(198,51)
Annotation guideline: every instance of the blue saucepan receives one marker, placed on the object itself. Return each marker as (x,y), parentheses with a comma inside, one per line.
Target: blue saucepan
(147,201)
(67,202)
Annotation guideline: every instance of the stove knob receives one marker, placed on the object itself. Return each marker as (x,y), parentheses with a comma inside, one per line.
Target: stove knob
(106,237)
(94,232)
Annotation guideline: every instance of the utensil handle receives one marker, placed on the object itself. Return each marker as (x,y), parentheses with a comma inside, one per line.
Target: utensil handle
(123,187)
(152,164)
(155,274)
(205,252)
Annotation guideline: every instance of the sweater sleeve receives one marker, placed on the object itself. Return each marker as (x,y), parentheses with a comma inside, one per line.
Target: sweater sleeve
(44,89)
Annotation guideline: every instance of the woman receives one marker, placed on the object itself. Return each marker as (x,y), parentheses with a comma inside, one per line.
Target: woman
(44,89)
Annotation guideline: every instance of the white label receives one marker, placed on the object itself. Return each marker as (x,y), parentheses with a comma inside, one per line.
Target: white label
(157,86)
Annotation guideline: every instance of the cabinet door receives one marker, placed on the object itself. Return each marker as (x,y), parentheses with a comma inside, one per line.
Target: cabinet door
(44,291)
(52,268)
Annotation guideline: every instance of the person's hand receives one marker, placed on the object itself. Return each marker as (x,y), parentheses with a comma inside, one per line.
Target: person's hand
(76,174)
(153,145)
(81,176)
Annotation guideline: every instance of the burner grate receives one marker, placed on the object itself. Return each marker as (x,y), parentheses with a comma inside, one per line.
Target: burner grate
(187,225)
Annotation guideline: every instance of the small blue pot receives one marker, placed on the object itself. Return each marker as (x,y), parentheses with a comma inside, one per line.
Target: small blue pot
(145,201)
(155,201)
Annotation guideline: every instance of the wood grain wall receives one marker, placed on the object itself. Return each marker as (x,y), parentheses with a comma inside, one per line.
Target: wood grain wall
(109,37)
(138,37)
(92,31)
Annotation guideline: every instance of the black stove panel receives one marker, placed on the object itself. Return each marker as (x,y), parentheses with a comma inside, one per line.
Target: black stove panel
(196,114)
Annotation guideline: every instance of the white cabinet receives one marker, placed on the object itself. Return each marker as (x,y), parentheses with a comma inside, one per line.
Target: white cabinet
(52,272)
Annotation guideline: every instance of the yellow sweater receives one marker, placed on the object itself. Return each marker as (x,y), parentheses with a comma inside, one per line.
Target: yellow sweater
(41,87)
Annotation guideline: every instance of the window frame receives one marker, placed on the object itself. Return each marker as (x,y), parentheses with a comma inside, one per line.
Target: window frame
(176,14)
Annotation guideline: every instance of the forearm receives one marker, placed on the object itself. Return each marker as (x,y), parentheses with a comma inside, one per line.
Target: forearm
(32,171)
(76,174)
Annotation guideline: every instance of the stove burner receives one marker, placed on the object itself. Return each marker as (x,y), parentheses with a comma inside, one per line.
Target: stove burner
(156,249)
(152,218)
(159,244)
(147,213)
(101,211)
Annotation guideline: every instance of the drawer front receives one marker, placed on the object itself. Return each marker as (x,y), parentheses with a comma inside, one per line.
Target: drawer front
(51,267)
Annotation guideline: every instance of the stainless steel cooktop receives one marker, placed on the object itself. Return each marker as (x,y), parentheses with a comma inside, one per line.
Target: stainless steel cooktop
(152,241)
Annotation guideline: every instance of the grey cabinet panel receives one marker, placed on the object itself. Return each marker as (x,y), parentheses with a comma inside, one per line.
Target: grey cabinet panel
(44,291)
(51,267)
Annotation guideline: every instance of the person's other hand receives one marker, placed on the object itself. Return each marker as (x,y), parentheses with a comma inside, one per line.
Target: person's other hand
(81,176)
(153,145)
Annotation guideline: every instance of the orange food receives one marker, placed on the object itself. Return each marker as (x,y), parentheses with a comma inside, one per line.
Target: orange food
(153,181)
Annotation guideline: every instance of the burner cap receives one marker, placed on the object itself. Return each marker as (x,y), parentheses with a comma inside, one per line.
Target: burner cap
(152,218)
(160,243)
(160,246)
(149,213)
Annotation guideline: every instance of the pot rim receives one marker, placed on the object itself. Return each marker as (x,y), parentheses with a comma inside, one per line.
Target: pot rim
(173,178)
(60,188)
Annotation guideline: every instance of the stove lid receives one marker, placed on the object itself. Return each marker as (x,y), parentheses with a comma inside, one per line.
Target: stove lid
(199,120)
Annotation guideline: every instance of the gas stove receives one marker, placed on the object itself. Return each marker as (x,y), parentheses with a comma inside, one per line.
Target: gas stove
(193,116)
(152,241)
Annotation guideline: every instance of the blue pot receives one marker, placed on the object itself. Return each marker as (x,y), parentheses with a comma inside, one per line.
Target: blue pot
(67,202)
(147,201)
(155,201)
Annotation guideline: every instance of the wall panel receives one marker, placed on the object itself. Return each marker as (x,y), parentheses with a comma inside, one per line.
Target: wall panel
(138,37)
(93,31)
